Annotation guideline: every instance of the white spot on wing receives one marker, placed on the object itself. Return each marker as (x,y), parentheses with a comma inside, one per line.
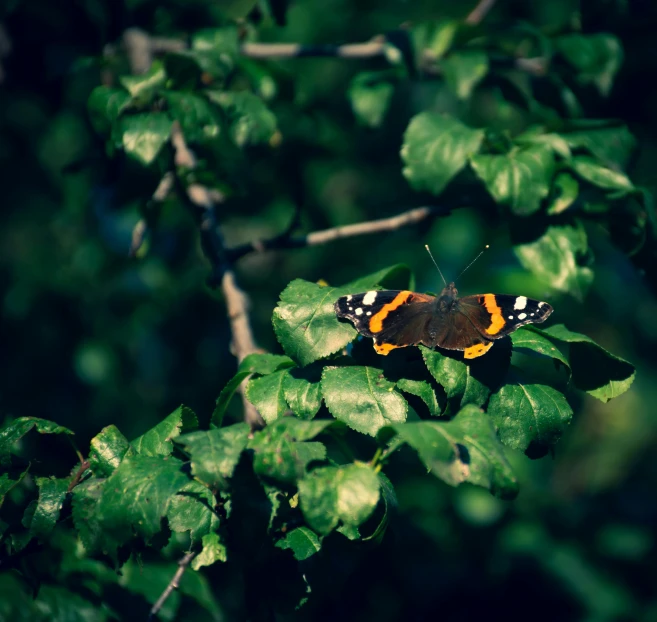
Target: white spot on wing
(522,316)
(359,311)
(349,297)
(540,304)
(351,308)
(510,317)
(369,298)
(369,313)
(521,303)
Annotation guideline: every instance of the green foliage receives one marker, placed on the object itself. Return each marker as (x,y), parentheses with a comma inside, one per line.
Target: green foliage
(500,118)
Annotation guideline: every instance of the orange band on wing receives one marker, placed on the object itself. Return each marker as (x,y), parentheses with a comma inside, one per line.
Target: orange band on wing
(376,321)
(385,348)
(496,320)
(479,349)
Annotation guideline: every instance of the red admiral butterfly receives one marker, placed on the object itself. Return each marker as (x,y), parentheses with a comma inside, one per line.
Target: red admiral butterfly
(396,319)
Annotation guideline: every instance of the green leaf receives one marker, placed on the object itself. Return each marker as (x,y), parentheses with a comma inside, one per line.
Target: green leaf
(138,495)
(221,43)
(594,370)
(144,135)
(301,389)
(280,452)
(7,484)
(192,510)
(52,492)
(435,149)
(305,322)
(435,37)
(18,428)
(529,415)
(519,179)
(424,391)
(146,84)
(535,136)
(557,258)
(464,449)
(84,509)
(370,94)
(389,499)
(596,57)
(531,338)
(266,394)
(214,550)
(199,120)
(302,541)
(611,144)
(105,106)
(463,70)
(601,176)
(215,453)
(157,441)
(250,121)
(362,398)
(567,190)
(106,451)
(329,495)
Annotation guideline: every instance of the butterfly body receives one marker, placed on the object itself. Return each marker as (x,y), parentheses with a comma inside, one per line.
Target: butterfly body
(396,319)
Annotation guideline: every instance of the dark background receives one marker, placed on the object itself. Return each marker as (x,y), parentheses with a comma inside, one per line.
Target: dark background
(89,337)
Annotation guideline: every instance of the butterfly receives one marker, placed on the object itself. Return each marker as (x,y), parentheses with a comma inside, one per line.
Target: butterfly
(396,319)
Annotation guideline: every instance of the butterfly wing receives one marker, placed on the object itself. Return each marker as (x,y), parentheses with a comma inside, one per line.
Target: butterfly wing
(498,315)
(408,316)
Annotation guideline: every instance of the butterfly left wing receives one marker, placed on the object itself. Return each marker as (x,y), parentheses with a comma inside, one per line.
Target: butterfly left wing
(406,315)
(498,315)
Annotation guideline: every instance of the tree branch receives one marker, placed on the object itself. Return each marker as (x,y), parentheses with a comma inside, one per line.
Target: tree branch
(370,49)
(286,241)
(174,584)
(203,203)
(143,227)
(478,14)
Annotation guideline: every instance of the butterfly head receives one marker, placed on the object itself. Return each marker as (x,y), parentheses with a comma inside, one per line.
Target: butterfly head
(447,297)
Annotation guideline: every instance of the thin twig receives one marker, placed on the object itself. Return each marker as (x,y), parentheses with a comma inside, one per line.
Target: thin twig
(370,49)
(478,14)
(143,227)
(82,469)
(411,217)
(174,584)
(203,201)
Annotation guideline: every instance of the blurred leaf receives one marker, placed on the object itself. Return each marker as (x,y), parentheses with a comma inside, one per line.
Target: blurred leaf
(519,179)
(144,135)
(199,120)
(303,542)
(596,57)
(435,37)
(123,508)
(105,105)
(556,259)
(266,394)
(362,398)
(329,495)
(157,441)
(250,121)
(214,454)
(106,450)
(280,452)
(192,509)
(389,499)
(601,176)
(612,145)
(220,43)
(370,94)
(529,414)
(463,449)
(143,86)
(302,392)
(567,189)
(463,70)
(18,428)
(535,136)
(435,149)
(424,391)
(596,371)
(6,485)
(84,508)
(52,492)
(214,550)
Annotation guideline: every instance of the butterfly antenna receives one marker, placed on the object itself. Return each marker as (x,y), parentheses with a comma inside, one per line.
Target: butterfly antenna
(475,259)
(435,264)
